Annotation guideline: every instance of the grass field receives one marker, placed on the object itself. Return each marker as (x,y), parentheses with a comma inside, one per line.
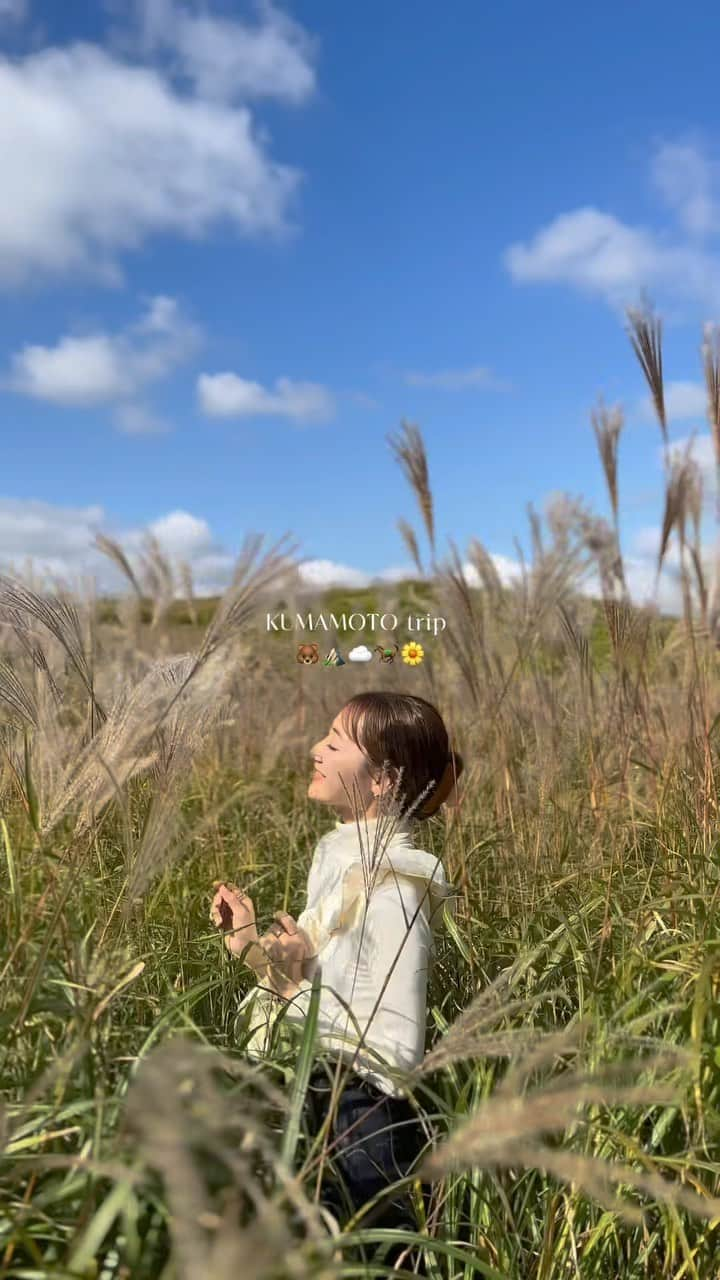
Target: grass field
(573,1069)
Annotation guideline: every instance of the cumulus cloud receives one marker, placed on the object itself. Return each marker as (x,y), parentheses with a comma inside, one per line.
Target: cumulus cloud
(688,181)
(639,562)
(138,420)
(329,573)
(640,577)
(702,451)
(508,571)
(227,59)
(13,10)
(182,534)
(77,371)
(30,528)
(225,395)
(56,542)
(87,370)
(645,544)
(596,252)
(188,538)
(100,154)
(592,250)
(683,400)
(456,379)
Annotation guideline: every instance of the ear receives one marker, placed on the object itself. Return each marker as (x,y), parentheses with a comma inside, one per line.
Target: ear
(383,781)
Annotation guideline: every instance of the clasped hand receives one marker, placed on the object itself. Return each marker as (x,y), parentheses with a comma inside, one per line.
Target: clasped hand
(278,957)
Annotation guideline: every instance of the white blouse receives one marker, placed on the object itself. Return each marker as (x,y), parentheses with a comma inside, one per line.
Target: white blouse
(374,903)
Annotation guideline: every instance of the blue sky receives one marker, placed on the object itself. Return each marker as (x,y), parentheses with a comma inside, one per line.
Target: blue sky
(239,243)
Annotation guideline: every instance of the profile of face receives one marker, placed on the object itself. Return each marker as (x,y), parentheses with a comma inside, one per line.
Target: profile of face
(342,771)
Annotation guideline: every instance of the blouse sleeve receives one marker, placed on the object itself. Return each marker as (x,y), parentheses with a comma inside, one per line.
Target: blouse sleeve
(400,950)
(392,1009)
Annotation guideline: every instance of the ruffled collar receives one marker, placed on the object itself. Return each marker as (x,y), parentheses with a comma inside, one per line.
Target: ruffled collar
(369,851)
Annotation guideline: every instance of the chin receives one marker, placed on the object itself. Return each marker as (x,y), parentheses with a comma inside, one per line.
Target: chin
(314,791)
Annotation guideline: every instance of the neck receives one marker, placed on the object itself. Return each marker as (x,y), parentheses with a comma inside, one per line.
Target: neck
(367,819)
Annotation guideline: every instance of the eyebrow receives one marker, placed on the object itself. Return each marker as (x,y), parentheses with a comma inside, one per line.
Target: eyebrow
(337,731)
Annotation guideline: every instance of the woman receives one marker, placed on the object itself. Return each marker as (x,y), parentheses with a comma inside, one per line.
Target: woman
(374,901)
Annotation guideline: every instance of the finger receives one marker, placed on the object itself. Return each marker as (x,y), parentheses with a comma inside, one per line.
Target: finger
(235,899)
(286,921)
(275,947)
(228,885)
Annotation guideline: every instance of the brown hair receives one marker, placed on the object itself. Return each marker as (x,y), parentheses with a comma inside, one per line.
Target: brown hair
(405,732)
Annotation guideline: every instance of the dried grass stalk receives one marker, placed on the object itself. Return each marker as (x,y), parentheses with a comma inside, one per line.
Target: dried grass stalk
(409,450)
(180,1118)
(646,338)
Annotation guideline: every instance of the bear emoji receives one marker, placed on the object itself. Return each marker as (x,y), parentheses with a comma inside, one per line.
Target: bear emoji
(308,653)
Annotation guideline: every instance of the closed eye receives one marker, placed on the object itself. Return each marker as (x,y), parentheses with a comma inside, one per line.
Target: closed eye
(331,748)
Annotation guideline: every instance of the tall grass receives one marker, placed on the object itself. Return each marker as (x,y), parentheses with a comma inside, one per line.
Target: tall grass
(571,1084)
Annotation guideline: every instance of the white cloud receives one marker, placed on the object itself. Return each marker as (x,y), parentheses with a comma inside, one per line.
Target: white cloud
(683,400)
(78,371)
(640,578)
(639,568)
(31,528)
(508,570)
(457,379)
(138,420)
(645,546)
(687,181)
(182,534)
(326,573)
(57,542)
(395,573)
(363,400)
(225,395)
(318,574)
(360,653)
(702,450)
(229,60)
(598,253)
(101,368)
(13,10)
(99,154)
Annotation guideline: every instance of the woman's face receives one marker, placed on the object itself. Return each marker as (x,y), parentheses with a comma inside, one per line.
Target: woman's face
(341,771)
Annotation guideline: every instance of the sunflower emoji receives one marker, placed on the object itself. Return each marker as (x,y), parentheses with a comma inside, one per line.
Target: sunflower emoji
(412,653)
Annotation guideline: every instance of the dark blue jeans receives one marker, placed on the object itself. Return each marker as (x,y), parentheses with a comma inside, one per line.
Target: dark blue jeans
(375,1139)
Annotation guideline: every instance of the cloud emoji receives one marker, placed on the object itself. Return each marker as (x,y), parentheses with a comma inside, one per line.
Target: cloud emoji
(360,653)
